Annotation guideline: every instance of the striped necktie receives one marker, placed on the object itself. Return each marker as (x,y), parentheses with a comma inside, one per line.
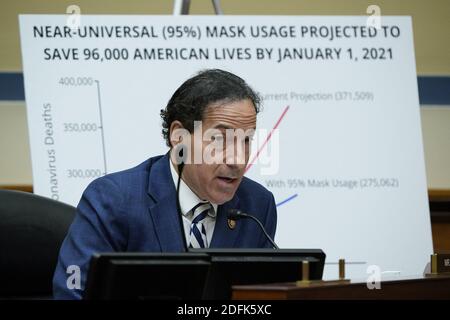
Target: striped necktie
(197,234)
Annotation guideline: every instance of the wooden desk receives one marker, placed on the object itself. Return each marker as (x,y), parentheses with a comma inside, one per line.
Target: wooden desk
(420,287)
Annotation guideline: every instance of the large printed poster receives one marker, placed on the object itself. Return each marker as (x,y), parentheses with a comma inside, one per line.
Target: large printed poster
(338,143)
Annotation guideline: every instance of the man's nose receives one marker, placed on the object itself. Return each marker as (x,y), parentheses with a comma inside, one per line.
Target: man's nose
(236,155)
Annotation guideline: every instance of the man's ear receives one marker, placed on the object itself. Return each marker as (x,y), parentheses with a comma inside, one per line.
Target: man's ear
(180,142)
(174,137)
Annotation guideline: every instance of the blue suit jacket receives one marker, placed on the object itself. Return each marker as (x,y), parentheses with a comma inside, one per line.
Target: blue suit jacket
(135,211)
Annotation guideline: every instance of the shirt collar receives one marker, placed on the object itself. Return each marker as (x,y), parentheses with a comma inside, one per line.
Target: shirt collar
(188,199)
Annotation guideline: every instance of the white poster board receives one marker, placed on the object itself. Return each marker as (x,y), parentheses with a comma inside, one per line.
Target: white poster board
(350,176)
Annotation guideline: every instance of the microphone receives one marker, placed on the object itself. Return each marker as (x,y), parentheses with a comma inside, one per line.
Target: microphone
(181,157)
(235,214)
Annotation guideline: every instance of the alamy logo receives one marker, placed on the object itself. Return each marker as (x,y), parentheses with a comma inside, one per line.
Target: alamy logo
(374,20)
(74,279)
(374,279)
(73,20)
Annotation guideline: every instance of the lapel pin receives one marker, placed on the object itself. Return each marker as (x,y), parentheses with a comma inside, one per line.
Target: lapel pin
(231,224)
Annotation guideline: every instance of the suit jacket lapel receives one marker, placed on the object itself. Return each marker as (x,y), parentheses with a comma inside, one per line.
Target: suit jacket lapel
(223,236)
(163,210)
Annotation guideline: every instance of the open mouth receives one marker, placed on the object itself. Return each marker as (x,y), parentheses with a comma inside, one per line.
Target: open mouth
(227,179)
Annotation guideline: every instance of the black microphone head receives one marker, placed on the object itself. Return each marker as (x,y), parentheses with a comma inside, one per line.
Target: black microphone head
(234,214)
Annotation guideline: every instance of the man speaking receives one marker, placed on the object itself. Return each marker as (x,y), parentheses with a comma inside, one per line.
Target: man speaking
(181,199)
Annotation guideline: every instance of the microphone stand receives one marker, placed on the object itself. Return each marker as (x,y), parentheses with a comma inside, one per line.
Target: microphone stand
(235,214)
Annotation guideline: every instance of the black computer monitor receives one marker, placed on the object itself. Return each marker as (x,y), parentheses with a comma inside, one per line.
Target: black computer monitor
(143,276)
(257,266)
(198,274)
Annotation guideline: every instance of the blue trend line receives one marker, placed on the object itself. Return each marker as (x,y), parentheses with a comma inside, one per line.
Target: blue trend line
(286,200)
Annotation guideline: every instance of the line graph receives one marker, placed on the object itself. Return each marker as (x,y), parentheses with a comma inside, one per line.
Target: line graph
(261,148)
(101,125)
(267,139)
(287,200)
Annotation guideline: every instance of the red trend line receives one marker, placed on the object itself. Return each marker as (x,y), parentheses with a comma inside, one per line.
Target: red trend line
(267,139)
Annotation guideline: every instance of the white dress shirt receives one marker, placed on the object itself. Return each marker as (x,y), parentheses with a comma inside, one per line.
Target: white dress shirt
(188,200)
